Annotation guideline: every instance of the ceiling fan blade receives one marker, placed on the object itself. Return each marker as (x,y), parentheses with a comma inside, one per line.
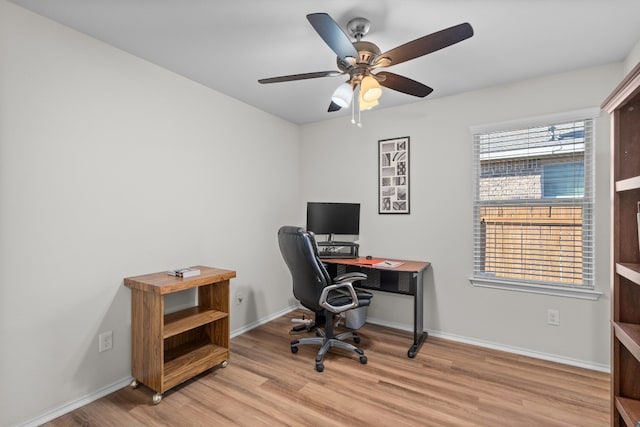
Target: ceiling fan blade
(303,76)
(404,84)
(333,107)
(333,35)
(428,44)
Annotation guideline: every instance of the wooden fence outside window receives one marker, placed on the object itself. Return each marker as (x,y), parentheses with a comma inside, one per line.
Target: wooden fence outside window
(539,243)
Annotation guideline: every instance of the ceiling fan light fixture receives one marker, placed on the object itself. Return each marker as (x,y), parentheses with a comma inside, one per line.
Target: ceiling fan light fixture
(370,89)
(364,105)
(343,95)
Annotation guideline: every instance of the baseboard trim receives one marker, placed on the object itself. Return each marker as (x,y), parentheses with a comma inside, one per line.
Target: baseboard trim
(75,404)
(262,321)
(501,347)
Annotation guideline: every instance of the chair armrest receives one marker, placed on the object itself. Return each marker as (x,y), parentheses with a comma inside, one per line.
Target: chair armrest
(352,277)
(339,309)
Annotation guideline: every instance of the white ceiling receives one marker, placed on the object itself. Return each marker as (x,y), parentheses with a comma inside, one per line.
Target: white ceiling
(229,44)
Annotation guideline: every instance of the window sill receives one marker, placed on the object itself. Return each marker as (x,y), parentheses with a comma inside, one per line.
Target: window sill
(534,288)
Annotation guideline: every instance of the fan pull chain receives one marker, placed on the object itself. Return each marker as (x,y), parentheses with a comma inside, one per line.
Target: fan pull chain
(356,98)
(353,110)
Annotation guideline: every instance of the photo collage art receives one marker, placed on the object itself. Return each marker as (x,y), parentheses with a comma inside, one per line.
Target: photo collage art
(393,193)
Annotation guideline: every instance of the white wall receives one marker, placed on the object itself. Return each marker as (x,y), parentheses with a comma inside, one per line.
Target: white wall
(633,58)
(112,167)
(339,163)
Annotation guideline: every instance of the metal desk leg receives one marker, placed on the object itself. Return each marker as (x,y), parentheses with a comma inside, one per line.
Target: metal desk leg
(419,335)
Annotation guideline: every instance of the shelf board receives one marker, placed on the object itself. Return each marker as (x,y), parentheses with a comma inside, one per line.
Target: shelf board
(629,271)
(190,318)
(629,335)
(630,410)
(628,184)
(191,359)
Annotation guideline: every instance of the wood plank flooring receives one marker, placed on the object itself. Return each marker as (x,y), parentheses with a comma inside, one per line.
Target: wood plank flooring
(447,384)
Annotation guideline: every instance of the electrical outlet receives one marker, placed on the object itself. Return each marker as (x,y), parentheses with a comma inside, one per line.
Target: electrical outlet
(553,317)
(105,341)
(239,297)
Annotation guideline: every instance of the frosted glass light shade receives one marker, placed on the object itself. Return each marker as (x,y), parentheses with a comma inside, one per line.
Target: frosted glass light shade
(364,105)
(370,89)
(342,95)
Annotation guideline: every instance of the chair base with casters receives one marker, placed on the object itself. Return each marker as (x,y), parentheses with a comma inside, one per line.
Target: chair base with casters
(308,324)
(304,324)
(327,340)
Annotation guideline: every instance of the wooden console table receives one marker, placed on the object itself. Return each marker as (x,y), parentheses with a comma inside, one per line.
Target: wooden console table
(168,349)
(405,279)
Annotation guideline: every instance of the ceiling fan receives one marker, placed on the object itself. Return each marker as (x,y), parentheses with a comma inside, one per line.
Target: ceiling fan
(360,58)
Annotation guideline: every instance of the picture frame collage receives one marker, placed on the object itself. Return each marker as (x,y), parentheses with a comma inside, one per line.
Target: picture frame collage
(393,176)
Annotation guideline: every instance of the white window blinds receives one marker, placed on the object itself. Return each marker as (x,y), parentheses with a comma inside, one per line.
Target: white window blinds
(533,205)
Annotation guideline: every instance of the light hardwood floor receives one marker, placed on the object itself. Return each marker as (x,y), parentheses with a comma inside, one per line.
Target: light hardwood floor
(447,384)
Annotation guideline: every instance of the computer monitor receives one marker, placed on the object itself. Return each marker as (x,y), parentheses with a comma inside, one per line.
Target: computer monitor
(333,218)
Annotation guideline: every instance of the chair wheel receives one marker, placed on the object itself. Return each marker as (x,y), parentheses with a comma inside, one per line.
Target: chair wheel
(294,349)
(319,367)
(356,339)
(363,359)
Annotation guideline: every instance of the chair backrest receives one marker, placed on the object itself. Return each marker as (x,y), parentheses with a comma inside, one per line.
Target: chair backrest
(300,253)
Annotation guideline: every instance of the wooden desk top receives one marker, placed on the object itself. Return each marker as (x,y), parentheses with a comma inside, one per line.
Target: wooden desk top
(409,266)
(163,283)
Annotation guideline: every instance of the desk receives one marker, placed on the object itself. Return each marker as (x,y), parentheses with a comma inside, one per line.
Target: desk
(406,279)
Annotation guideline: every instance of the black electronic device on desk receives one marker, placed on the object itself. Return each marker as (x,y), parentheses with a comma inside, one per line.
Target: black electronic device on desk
(329,218)
(338,249)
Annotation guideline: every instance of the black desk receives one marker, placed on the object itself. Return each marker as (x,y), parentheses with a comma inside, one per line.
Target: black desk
(405,279)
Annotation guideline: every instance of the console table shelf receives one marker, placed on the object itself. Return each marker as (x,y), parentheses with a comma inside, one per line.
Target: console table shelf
(181,362)
(168,349)
(190,318)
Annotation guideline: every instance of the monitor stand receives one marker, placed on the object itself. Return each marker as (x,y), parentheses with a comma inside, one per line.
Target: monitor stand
(331,249)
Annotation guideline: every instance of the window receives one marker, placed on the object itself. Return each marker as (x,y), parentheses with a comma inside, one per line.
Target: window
(533,208)
(563,180)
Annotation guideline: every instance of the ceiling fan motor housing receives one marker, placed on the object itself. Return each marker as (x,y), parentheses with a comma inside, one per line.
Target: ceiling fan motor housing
(367,52)
(358,67)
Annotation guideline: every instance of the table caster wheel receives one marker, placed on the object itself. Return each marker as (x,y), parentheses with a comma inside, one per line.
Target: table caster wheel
(225,363)
(157,398)
(134,383)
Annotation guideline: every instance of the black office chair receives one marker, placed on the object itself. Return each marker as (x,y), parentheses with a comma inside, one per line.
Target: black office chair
(315,290)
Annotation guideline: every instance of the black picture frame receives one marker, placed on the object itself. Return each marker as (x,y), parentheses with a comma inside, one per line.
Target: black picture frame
(393,176)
